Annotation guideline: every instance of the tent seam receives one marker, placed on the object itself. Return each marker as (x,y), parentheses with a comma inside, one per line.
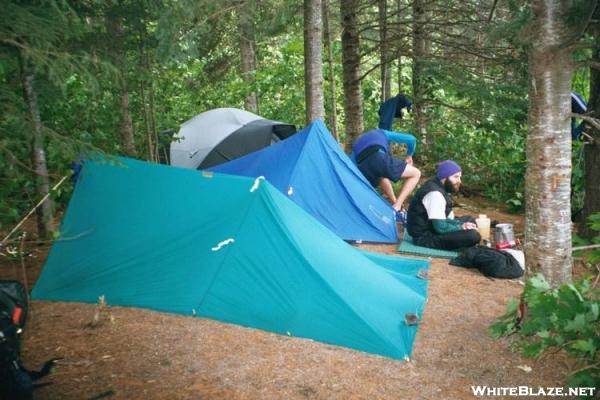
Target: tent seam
(228,250)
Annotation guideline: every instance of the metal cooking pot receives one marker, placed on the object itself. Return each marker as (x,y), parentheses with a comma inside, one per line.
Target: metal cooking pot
(503,233)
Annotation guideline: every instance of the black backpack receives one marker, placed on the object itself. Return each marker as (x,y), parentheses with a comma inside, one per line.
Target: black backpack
(16,382)
(490,262)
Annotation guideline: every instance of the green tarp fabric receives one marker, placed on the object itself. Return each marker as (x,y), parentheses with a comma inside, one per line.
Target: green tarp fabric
(228,248)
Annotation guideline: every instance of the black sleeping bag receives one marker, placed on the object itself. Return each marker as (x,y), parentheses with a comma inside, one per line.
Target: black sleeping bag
(490,262)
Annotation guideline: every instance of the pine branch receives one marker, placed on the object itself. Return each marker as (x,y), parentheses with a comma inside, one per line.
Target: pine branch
(16,160)
(591,120)
(591,246)
(588,63)
(461,110)
(491,15)
(579,29)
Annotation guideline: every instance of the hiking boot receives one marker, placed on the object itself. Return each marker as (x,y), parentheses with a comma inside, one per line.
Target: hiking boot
(401,216)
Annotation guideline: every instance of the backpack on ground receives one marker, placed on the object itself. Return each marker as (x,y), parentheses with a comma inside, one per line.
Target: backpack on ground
(490,262)
(16,382)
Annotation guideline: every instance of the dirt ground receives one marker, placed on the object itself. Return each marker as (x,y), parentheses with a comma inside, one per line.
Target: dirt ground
(141,354)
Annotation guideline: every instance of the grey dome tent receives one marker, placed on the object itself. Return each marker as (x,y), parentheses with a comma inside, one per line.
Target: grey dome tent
(223,134)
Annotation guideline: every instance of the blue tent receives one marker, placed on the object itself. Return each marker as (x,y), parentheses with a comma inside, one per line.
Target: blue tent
(228,248)
(312,170)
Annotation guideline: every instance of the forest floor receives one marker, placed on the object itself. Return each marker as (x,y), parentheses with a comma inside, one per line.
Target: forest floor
(141,354)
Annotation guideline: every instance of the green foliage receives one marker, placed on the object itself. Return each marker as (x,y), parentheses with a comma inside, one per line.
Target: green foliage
(516,203)
(482,124)
(181,57)
(508,323)
(592,255)
(594,222)
(281,80)
(42,36)
(567,318)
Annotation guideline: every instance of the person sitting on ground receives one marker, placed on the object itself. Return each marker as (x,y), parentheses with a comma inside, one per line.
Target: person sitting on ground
(371,153)
(430,219)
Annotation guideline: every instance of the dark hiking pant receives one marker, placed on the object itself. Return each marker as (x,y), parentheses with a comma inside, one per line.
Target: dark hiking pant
(452,240)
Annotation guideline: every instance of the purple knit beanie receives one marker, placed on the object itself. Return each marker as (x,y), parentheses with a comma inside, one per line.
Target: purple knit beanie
(447,168)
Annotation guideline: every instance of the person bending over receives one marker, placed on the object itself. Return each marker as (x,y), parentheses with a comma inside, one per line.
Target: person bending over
(371,153)
(430,219)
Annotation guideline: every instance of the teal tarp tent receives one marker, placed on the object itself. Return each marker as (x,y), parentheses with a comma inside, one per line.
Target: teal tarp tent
(228,248)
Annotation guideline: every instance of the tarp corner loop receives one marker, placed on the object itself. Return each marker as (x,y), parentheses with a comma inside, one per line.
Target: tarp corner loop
(222,244)
(256,183)
(411,319)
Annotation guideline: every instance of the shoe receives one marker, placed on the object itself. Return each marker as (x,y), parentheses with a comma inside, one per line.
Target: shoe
(401,216)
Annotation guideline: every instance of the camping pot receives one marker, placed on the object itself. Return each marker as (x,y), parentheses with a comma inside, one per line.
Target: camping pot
(503,233)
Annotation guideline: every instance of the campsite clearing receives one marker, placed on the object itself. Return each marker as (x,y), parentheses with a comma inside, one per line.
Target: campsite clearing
(135,353)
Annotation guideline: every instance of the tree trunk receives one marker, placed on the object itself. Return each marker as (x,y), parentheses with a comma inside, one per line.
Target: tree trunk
(331,70)
(591,149)
(45,213)
(153,119)
(386,69)
(353,105)
(126,124)
(399,21)
(248,52)
(147,96)
(419,74)
(119,57)
(400,74)
(149,136)
(313,61)
(548,177)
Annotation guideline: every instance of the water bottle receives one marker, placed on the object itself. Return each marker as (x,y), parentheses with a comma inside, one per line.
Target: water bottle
(483,225)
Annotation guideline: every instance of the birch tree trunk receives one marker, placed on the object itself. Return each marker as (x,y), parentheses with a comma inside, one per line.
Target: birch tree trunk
(353,104)
(548,177)
(418,75)
(248,52)
(313,61)
(45,213)
(386,69)
(591,150)
(331,70)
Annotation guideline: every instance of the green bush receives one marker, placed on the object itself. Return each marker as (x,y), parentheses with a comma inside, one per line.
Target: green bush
(567,318)
(558,318)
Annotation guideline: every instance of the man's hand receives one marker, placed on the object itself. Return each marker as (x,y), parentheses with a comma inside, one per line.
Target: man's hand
(469,225)
(409,160)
